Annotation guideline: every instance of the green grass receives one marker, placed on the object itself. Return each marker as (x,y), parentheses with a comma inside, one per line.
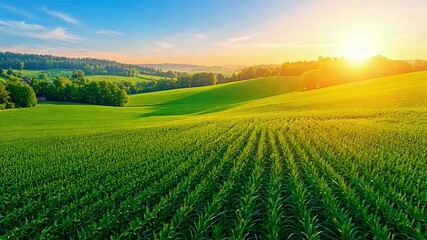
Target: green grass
(214,98)
(149,77)
(252,159)
(110,78)
(225,70)
(386,93)
(53,72)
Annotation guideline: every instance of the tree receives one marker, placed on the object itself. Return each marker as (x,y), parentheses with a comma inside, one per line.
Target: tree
(81,81)
(92,92)
(77,74)
(120,97)
(40,87)
(43,76)
(21,65)
(4,97)
(220,78)
(21,94)
(58,89)
(73,93)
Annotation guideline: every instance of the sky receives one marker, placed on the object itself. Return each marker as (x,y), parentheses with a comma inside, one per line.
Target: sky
(215,32)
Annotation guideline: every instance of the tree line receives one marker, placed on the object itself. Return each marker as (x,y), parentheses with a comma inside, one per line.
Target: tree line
(80,89)
(184,81)
(89,65)
(16,93)
(334,71)
(323,72)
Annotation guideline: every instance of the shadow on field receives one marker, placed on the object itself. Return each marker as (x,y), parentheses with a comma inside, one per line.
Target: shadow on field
(227,96)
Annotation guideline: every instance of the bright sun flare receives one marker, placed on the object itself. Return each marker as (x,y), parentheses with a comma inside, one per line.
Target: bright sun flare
(358,49)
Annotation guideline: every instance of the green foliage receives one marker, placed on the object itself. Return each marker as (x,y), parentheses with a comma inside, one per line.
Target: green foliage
(4,95)
(81,90)
(118,79)
(89,65)
(16,94)
(77,74)
(343,162)
(196,80)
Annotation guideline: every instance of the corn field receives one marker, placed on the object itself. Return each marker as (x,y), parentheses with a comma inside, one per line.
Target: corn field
(247,178)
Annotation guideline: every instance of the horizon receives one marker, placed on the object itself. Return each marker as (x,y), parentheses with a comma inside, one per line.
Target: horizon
(215,33)
(220,65)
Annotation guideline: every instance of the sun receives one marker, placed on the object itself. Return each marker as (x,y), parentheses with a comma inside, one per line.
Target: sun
(358,49)
(357,53)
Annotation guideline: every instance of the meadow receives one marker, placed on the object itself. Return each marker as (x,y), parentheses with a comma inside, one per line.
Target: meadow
(256,159)
(53,73)
(110,78)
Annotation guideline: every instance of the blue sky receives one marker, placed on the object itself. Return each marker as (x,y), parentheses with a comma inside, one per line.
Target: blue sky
(211,32)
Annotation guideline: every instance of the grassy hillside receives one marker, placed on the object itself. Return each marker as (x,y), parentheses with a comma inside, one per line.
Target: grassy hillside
(110,78)
(262,161)
(53,72)
(226,69)
(215,98)
(406,91)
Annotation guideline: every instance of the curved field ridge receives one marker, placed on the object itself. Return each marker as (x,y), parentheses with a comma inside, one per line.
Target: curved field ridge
(214,98)
(345,162)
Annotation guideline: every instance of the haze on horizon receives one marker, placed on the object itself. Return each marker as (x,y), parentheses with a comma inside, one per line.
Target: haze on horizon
(215,32)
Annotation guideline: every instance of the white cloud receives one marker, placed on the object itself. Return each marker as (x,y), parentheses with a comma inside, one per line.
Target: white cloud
(110,33)
(36,31)
(20,25)
(59,33)
(18,11)
(63,16)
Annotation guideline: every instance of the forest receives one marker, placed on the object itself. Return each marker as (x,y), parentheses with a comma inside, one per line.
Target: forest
(89,65)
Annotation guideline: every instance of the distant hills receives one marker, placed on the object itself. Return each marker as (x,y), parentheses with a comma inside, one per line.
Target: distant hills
(171,66)
(189,68)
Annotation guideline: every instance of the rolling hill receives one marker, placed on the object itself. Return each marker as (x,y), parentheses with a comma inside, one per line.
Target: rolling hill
(215,98)
(226,69)
(256,158)
(53,73)
(400,91)
(111,78)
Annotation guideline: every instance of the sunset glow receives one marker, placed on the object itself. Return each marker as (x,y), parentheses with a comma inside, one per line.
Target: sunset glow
(358,49)
(215,32)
